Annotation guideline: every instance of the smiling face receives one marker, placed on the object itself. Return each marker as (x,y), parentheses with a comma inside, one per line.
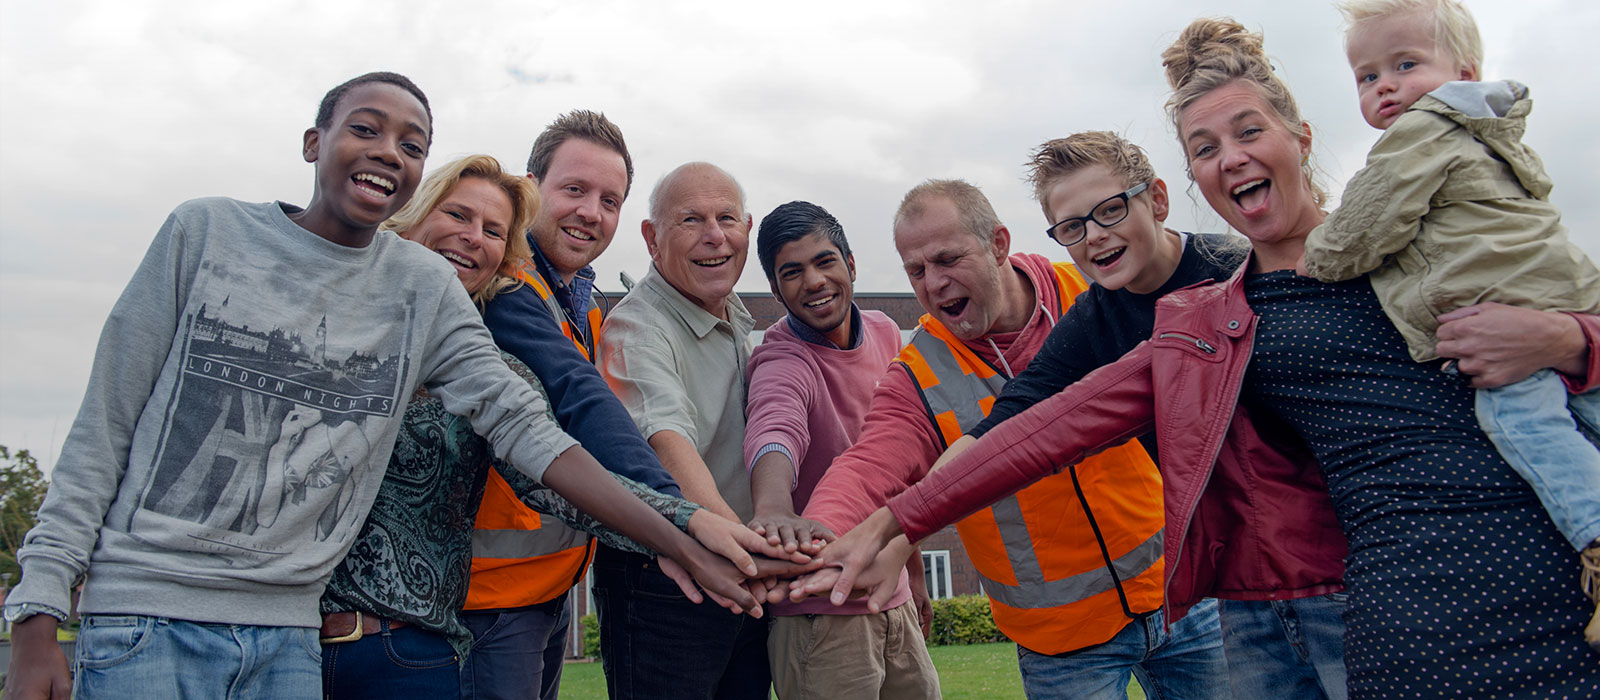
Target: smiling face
(956,277)
(699,245)
(1247,164)
(1397,61)
(814,281)
(369,161)
(469,228)
(1137,253)
(582,194)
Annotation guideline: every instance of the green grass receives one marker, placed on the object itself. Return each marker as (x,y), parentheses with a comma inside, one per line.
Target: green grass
(979,671)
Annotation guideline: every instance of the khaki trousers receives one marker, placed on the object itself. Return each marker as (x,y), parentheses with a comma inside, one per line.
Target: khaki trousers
(838,657)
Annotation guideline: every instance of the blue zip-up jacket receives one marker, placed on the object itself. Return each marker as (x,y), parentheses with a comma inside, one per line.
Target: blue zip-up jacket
(583,403)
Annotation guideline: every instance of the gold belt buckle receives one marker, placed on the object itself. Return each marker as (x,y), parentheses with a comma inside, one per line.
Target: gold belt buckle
(353,636)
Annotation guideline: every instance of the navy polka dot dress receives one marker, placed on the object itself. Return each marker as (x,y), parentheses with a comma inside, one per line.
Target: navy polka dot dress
(1460,585)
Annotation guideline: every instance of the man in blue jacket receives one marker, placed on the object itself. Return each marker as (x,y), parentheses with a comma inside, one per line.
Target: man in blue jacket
(523,566)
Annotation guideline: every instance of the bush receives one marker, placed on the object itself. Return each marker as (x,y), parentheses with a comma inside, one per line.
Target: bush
(964,620)
(591,635)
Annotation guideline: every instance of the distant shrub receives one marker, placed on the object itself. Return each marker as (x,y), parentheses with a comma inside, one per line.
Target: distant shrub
(591,635)
(964,620)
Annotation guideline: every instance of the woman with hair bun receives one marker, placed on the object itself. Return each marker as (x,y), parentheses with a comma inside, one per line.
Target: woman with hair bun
(1457,577)
(1455,571)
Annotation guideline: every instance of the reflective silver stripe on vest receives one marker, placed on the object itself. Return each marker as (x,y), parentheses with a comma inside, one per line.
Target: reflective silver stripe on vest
(1036,592)
(551,537)
(959,393)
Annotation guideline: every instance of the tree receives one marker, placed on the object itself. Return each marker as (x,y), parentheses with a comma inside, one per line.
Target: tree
(22,488)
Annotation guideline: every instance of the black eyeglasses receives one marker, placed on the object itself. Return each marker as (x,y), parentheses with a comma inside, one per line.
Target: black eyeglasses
(1109,212)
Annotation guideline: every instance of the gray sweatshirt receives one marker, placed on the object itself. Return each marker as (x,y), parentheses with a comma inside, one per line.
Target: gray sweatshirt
(245,396)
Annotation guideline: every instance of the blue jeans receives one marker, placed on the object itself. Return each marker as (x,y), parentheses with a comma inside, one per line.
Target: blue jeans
(125,656)
(1180,663)
(409,663)
(1286,648)
(654,643)
(1539,430)
(516,654)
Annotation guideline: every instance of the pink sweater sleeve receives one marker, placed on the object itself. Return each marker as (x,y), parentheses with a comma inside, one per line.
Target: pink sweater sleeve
(896,447)
(782,387)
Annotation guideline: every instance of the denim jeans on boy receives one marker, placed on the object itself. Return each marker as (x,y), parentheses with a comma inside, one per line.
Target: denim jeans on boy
(409,663)
(516,653)
(656,644)
(135,656)
(1535,425)
(1286,648)
(1183,663)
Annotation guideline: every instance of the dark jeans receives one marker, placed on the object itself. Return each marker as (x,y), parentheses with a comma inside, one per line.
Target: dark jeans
(654,643)
(404,664)
(516,654)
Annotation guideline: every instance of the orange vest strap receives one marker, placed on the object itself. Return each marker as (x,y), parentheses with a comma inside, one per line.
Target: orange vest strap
(592,317)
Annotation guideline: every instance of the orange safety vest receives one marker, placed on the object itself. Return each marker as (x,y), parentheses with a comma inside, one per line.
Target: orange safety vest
(518,557)
(1069,560)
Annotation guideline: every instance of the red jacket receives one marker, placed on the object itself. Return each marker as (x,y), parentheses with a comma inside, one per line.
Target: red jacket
(1248,513)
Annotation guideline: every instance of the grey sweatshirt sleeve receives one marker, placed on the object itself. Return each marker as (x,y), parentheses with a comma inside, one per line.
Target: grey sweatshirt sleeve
(134,345)
(464,371)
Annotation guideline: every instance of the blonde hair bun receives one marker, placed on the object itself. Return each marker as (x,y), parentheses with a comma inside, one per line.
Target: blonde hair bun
(1208,42)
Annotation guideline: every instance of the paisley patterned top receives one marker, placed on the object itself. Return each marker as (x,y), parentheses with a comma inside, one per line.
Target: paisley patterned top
(413,556)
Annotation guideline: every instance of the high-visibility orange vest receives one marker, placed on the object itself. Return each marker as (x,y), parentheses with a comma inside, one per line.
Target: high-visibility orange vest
(518,557)
(1068,561)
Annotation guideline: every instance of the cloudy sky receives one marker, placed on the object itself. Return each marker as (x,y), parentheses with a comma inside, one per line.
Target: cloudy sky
(113,112)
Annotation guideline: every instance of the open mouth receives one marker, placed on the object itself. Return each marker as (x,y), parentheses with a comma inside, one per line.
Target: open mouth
(1109,257)
(1251,195)
(954,308)
(712,262)
(374,185)
(575,233)
(821,302)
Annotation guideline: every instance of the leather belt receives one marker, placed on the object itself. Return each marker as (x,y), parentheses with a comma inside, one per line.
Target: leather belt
(341,627)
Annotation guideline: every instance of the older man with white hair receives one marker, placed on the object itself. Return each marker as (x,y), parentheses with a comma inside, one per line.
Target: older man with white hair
(675,351)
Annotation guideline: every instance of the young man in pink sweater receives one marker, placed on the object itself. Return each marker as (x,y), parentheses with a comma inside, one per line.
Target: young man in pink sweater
(811,382)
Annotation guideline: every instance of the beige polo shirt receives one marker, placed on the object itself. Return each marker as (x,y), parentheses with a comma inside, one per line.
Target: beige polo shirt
(676,367)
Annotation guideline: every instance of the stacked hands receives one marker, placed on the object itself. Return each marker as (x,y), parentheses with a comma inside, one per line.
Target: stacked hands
(778,557)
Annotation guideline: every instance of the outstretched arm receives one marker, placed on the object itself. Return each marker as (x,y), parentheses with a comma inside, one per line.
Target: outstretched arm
(582,402)
(896,445)
(774,508)
(577,477)
(728,539)
(868,558)
(777,439)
